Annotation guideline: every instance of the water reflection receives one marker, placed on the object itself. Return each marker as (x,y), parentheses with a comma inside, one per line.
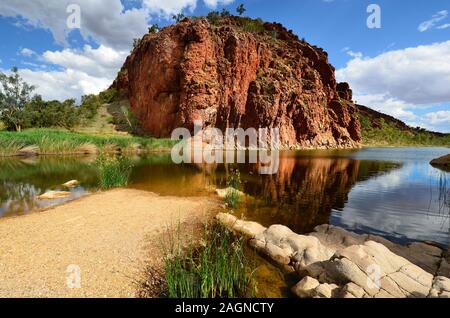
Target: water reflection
(22,180)
(391,192)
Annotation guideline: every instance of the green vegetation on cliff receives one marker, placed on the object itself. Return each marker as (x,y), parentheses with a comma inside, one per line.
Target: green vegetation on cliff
(380,130)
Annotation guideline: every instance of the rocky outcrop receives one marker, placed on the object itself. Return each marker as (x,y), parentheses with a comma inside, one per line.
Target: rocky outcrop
(442,162)
(334,263)
(239,73)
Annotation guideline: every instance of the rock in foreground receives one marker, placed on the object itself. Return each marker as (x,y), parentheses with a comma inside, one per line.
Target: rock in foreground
(238,73)
(334,263)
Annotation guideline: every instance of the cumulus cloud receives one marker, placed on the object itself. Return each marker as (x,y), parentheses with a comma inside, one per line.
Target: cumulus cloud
(439,118)
(444,26)
(27,52)
(169,7)
(435,19)
(100,62)
(79,72)
(387,105)
(105,21)
(399,82)
(419,75)
(61,85)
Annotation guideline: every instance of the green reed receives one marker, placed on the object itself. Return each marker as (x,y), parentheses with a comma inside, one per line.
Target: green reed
(114,171)
(218,268)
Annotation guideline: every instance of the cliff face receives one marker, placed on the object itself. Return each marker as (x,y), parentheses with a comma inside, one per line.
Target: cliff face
(237,72)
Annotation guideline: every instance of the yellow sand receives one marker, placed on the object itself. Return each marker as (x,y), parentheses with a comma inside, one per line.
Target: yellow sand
(109,237)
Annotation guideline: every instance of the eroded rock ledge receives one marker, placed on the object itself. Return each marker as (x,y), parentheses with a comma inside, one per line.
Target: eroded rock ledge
(334,263)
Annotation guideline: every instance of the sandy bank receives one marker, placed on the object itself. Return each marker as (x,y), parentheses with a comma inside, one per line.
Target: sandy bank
(109,236)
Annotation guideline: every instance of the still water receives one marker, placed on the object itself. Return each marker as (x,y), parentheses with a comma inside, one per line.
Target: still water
(392,192)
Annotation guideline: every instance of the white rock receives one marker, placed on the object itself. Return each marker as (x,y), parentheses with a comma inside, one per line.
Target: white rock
(71,183)
(305,288)
(53,195)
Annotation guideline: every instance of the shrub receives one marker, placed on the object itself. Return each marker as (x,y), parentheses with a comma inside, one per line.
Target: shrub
(154,29)
(250,25)
(109,96)
(89,106)
(213,17)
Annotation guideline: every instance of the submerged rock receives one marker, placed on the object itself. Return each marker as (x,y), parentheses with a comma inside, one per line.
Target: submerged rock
(53,195)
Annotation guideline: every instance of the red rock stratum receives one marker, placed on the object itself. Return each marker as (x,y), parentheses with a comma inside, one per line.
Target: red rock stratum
(239,73)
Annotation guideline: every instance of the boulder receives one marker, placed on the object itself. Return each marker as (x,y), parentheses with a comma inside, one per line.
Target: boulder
(285,247)
(71,184)
(222,193)
(53,195)
(246,228)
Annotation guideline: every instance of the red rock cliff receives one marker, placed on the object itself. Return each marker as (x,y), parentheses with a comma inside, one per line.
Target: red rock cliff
(238,72)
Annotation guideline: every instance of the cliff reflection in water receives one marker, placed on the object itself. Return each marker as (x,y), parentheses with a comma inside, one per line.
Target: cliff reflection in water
(305,191)
(302,195)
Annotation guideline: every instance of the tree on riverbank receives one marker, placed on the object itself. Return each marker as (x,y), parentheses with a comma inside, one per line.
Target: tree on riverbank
(20,108)
(15,93)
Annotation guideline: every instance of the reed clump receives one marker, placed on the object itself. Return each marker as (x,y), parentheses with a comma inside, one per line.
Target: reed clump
(218,267)
(114,172)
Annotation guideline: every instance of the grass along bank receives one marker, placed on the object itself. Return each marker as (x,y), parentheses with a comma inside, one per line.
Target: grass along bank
(61,142)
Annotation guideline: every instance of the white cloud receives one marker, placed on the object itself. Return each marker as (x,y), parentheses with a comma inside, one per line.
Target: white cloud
(444,26)
(435,19)
(101,62)
(27,52)
(439,118)
(387,105)
(88,70)
(169,7)
(65,84)
(105,21)
(401,81)
(215,3)
(418,75)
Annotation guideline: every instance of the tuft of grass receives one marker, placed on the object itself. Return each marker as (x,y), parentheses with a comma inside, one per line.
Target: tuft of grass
(218,268)
(233,198)
(234,195)
(114,171)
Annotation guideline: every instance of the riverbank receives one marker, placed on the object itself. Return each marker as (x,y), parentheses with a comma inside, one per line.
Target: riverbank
(110,237)
(35,142)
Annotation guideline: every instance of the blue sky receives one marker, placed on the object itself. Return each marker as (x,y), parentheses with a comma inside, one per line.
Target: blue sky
(402,68)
